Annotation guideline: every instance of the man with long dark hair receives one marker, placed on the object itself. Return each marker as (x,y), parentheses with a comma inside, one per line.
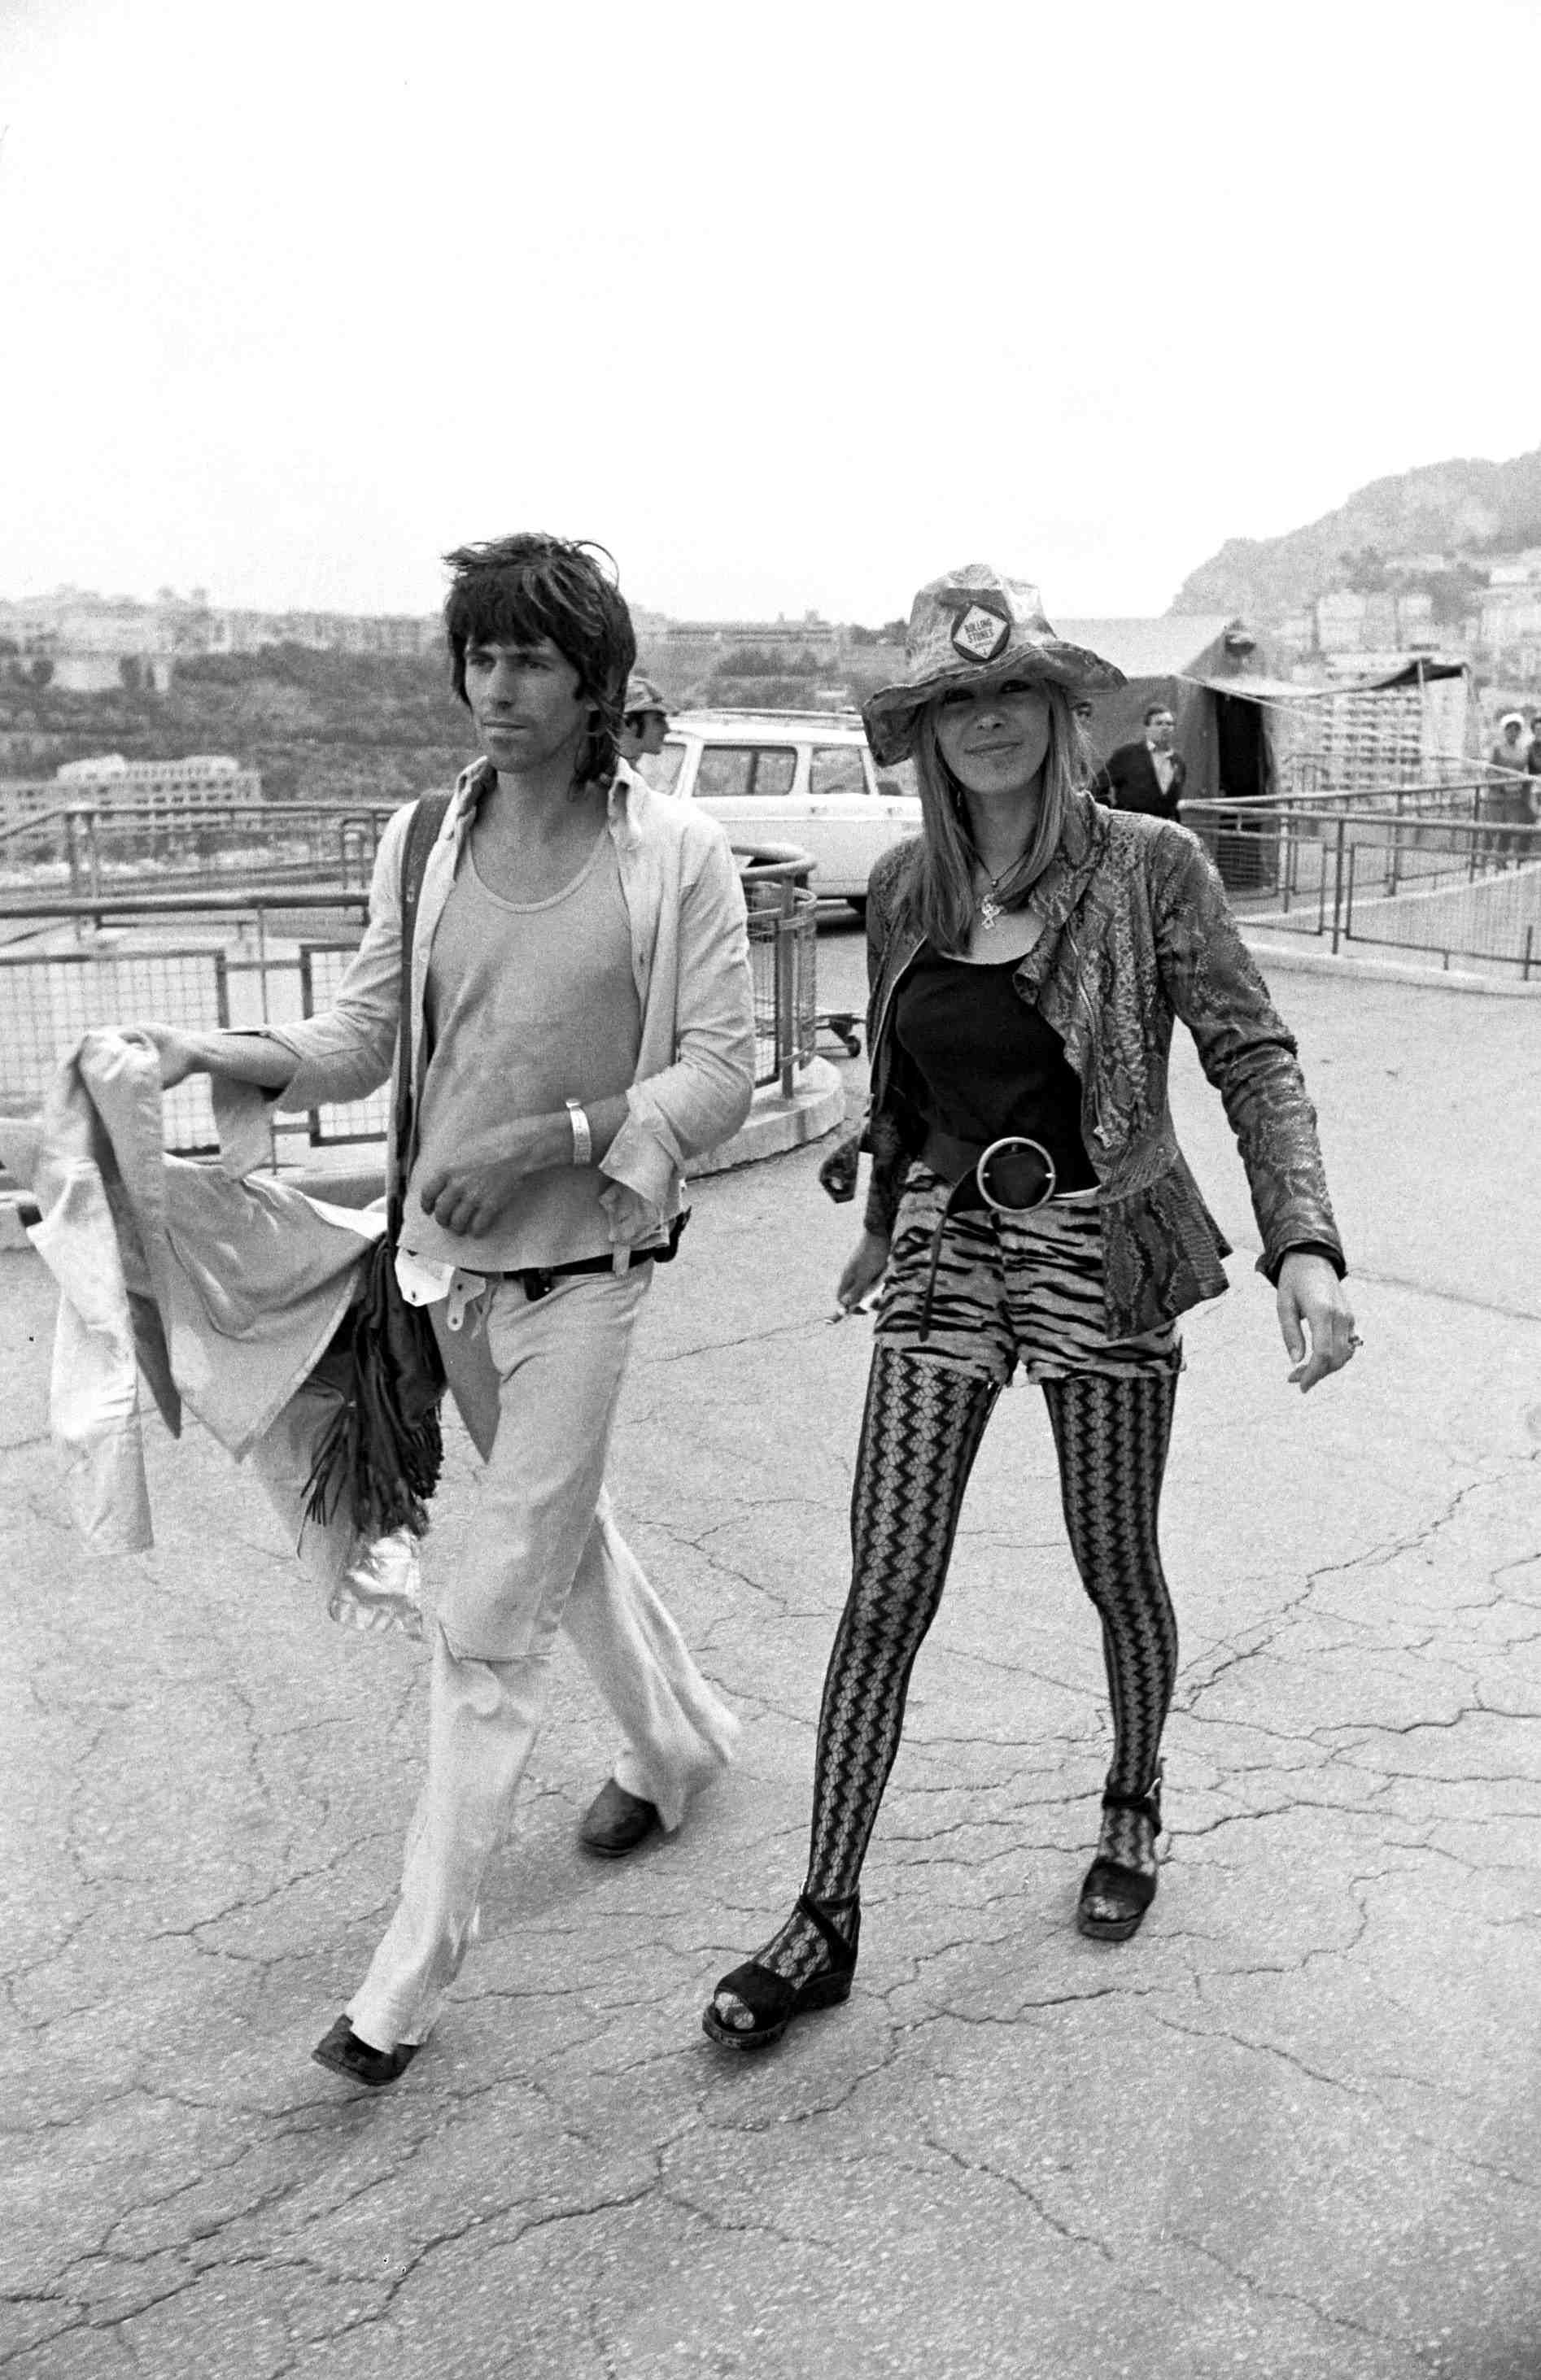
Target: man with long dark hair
(582,1024)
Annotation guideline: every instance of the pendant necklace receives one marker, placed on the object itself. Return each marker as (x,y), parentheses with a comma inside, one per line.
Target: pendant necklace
(992,911)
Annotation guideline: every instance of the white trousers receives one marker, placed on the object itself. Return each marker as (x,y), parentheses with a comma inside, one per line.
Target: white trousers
(543,1553)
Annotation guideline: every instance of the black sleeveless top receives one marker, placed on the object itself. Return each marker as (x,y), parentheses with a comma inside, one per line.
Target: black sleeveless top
(984,1062)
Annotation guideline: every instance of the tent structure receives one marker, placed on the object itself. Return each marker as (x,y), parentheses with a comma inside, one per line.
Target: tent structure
(1203,667)
(1244,732)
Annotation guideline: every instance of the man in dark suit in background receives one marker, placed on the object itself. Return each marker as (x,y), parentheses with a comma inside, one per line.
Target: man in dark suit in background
(1145,776)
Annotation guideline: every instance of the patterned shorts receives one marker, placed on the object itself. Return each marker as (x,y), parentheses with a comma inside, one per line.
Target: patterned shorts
(1009,1289)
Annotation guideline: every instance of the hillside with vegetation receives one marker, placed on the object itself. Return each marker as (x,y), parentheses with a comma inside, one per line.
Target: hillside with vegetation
(1437,527)
(319,727)
(324,727)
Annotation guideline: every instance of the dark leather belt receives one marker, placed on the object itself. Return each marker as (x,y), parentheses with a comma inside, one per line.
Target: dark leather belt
(536,1280)
(1008,1177)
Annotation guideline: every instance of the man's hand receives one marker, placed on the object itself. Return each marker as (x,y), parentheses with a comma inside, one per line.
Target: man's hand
(633,1218)
(864,1269)
(467,1196)
(234,1057)
(1311,1306)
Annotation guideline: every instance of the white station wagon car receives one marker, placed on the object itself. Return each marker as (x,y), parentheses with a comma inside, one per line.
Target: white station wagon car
(803,777)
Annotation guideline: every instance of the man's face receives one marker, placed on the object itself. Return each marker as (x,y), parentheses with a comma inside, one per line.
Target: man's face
(1158,728)
(653,726)
(526,704)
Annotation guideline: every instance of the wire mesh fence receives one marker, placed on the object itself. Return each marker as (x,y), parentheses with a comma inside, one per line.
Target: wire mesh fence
(47,1004)
(48,1001)
(1445,886)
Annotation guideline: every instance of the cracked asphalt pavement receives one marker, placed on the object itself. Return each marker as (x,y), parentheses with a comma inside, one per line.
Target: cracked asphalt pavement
(1290,2130)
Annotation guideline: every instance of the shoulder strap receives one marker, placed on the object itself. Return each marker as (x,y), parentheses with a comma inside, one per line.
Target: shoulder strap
(422,834)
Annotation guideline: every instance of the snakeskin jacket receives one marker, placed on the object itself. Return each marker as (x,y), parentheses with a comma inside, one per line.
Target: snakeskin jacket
(1137,931)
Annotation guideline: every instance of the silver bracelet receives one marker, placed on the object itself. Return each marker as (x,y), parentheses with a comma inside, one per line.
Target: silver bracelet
(582,1138)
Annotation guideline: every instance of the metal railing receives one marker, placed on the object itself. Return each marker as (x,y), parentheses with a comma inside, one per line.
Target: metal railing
(1412,877)
(783,957)
(85,848)
(260,960)
(1484,799)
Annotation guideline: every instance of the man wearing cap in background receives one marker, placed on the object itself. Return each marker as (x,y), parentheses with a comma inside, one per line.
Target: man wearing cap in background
(645,723)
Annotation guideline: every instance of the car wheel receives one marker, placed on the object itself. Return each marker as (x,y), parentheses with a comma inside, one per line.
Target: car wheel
(859,903)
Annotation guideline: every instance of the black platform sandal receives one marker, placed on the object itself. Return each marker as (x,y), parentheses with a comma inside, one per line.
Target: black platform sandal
(771,2000)
(1131,1891)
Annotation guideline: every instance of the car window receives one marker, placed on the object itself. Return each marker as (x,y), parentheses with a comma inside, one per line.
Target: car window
(662,768)
(837,769)
(733,770)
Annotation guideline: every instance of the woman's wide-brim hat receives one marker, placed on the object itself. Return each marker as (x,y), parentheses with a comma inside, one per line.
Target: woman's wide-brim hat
(973,627)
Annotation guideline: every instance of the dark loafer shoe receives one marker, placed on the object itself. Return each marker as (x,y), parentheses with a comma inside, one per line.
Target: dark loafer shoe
(341,2052)
(616,1822)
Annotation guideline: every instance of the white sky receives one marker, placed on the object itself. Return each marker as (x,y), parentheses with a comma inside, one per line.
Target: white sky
(790,306)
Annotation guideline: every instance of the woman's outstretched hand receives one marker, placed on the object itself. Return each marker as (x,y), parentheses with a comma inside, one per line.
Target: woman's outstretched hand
(864,1269)
(1316,1318)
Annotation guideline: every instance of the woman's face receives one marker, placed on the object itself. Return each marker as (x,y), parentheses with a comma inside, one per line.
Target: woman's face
(995,741)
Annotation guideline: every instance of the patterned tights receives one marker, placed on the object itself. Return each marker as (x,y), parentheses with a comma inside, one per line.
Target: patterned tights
(919,1435)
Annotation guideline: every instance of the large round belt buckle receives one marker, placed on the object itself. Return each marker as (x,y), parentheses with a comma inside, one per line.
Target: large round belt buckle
(1015,1174)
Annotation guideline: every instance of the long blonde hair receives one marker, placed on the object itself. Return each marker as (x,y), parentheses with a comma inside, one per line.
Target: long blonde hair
(940,900)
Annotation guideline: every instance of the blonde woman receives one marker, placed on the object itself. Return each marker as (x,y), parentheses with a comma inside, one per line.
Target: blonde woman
(1028,1205)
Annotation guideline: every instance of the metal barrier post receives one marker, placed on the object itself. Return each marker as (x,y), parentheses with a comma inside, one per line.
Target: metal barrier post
(1338,884)
(786,987)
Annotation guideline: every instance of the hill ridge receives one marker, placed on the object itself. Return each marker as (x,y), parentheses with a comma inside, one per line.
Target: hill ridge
(1461,509)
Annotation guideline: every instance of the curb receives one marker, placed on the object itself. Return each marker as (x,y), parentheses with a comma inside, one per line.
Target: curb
(1282,958)
(17,1210)
(775,1124)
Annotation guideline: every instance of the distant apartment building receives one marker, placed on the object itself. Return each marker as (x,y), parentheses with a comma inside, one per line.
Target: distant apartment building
(1348,622)
(205,784)
(27,798)
(813,635)
(1517,569)
(394,635)
(1509,629)
(89,638)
